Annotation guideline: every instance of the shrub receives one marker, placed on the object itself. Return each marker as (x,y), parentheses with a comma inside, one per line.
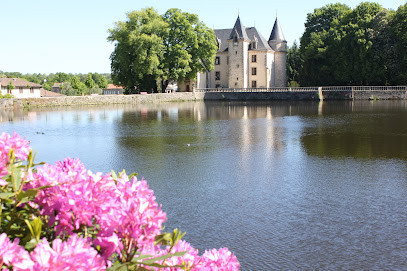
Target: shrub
(94,221)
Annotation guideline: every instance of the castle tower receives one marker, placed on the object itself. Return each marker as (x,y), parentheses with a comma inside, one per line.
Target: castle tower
(238,44)
(278,43)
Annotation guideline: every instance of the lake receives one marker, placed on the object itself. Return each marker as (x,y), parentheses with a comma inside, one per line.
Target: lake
(284,185)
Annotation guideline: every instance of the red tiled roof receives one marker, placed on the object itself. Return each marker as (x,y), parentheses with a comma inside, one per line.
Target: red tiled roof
(46,93)
(18,82)
(112,86)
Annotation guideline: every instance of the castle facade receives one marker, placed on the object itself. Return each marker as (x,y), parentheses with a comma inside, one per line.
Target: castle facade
(245,59)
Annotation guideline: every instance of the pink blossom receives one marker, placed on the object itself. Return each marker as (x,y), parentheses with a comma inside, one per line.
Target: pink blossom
(222,260)
(13,255)
(20,147)
(190,258)
(74,254)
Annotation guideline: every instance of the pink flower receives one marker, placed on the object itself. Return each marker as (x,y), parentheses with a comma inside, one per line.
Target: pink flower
(13,255)
(74,254)
(222,260)
(20,147)
(189,259)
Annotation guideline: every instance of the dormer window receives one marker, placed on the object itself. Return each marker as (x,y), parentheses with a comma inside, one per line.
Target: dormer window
(253,44)
(235,41)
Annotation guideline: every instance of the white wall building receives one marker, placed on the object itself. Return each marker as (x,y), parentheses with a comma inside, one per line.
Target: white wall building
(22,88)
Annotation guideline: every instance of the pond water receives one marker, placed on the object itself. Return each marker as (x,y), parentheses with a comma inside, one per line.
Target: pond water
(284,185)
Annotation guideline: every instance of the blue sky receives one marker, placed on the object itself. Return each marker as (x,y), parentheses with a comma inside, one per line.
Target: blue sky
(49,36)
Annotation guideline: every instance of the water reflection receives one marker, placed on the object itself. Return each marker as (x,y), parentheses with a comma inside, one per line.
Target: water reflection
(268,180)
(359,130)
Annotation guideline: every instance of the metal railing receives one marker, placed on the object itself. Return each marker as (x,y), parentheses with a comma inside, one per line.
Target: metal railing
(307,89)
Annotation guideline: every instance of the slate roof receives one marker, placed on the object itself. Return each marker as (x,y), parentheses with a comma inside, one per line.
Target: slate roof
(18,82)
(277,33)
(238,30)
(223,36)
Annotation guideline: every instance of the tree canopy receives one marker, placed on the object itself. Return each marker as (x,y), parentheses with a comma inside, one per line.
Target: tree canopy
(360,46)
(151,49)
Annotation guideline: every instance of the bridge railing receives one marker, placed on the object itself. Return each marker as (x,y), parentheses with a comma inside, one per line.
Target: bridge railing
(306,89)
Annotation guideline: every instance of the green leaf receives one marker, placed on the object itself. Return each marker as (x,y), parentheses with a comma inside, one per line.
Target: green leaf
(163,239)
(27,194)
(113,174)
(6,195)
(162,258)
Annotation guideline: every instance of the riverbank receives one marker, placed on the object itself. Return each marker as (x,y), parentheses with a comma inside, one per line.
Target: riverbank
(290,94)
(100,100)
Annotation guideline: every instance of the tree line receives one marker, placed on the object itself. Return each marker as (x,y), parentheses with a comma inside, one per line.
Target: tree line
(72,84)
(343,46)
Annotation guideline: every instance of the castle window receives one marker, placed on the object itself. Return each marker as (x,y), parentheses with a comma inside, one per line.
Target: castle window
(254,71)
(217,60)
(235,83)
(254,58)
(217,75)
(237,66)
(254,84)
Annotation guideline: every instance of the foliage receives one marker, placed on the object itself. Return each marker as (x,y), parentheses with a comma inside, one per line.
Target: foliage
(293,65)
(150,48)
(398,56)
(10,86)
(67,89)
(363,46)
(93,221)
(6,96)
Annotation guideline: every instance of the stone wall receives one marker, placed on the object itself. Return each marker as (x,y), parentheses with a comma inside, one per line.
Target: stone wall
(251,96)
(101,99)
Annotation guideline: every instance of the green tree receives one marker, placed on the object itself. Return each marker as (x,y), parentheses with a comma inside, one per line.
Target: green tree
(150,48)
(68,90)
(190,47)
(293,65)
(322,30)
(100,80)
(398,56)
(138,49)
(79,86)
(89,82)
(10,87)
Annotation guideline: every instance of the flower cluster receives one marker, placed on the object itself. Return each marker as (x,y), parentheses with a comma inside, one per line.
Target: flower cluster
(117,217)
(222,259)
(20,147)
(124,211)
(74,254)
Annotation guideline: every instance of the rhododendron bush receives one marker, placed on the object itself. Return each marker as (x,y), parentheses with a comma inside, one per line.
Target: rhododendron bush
(65,217)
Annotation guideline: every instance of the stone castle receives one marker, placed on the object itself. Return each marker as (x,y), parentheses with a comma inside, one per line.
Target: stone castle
(245,59)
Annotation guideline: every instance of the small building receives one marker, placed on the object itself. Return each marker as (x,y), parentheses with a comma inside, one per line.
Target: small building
(112,90)
(56,87)
(22,88)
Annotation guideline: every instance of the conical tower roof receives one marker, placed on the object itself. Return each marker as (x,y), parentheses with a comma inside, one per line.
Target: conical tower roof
(238,31)
(277,33)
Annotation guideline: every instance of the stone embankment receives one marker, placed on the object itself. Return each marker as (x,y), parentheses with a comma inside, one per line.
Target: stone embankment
(100,100)
(294,94)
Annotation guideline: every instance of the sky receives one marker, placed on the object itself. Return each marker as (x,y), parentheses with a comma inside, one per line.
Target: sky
(49,36)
